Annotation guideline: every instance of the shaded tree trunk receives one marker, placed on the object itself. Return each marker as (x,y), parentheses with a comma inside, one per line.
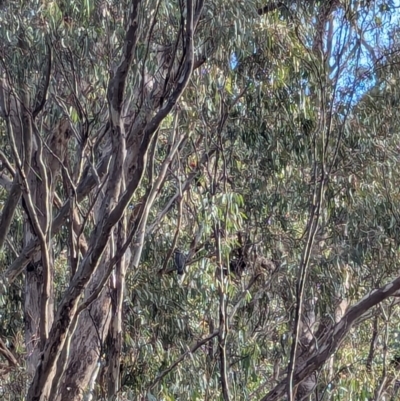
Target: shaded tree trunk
(114,345)
(308,326)
(88,341)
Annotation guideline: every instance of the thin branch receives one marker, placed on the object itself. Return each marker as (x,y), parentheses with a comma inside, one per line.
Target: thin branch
(7,163)
(203,341)
(223,321)
(7,354)
(190,351)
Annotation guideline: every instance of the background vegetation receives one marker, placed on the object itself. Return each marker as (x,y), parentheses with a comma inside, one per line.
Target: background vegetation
(259,138)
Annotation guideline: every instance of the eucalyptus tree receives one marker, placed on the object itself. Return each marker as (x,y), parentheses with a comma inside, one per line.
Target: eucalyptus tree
(235,131)
(72,73)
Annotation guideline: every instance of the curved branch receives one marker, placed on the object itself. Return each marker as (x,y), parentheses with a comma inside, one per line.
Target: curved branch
(331,341)
(11,359)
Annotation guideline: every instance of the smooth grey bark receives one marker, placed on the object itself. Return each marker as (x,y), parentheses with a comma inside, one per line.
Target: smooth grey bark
(42,193)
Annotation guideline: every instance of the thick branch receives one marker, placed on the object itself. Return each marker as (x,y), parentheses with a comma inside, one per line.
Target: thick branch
(42,93)
(117,84)
(331,341)
(9,209)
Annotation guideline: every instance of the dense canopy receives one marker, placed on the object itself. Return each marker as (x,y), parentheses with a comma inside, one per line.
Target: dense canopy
(199,200)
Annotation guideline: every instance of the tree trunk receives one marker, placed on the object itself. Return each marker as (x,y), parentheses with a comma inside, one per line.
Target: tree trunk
(42,184)
(306,337)
(87,345)
(115,334)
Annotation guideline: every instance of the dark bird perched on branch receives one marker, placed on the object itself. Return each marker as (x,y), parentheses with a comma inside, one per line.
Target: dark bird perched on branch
(237,266)
(179,261)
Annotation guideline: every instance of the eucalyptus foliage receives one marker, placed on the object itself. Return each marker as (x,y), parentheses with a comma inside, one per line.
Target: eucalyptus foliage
(259,139)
